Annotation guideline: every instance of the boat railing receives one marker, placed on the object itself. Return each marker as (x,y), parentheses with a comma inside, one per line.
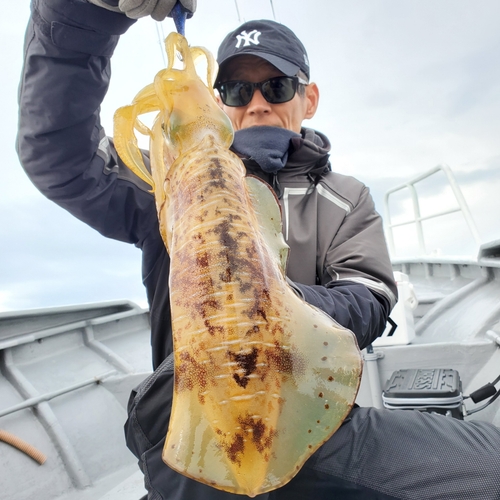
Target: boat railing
(418,218)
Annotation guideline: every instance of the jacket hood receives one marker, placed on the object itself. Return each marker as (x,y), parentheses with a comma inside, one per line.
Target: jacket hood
(310,152)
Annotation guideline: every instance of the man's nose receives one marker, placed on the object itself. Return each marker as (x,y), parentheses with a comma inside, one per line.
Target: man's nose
(258,103)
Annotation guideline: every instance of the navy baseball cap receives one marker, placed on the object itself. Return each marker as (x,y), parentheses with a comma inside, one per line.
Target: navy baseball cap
(269,40)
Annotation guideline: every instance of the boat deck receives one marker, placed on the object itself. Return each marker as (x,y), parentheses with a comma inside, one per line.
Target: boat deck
(66,377)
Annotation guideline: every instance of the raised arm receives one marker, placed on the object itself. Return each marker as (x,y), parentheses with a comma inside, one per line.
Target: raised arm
(61,143)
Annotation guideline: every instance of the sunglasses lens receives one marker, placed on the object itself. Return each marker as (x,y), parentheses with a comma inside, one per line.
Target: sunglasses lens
(275,90)
(236,93)
(278,90)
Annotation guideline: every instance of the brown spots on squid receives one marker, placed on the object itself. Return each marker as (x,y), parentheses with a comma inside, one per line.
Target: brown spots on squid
(226,276)
(278,330)
(230,251)
(262,436)
(251,251)
(253,331)
(247,363)
(200,218)
(202,260)
(199,237)
(189,373)
(226,240)
(216,174)
(244,287)
(260,304)
(258,311)
(254,430)
(213,329)
(235,448)
(206,307)
(280,359)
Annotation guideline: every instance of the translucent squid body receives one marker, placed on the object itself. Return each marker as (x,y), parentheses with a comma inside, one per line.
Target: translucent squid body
(262,379)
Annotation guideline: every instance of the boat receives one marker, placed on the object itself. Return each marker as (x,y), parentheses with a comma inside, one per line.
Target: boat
(67,372)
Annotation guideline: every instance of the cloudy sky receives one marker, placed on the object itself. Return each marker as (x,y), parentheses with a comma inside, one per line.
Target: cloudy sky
(405,86)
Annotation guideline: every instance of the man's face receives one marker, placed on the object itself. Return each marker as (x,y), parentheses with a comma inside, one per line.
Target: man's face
(258,111)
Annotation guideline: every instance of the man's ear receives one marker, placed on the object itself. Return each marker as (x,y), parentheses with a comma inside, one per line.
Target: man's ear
(312,98)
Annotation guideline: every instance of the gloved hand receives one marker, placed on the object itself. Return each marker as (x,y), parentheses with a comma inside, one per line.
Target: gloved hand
(157,9)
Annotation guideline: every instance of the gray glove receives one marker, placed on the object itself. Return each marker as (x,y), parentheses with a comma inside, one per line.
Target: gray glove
(157,9)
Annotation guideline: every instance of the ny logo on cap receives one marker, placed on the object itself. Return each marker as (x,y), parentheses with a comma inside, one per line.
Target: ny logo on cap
(248,38)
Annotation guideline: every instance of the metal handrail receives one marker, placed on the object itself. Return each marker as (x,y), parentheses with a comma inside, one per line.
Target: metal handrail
(42,398)
(43,333)
(417,217)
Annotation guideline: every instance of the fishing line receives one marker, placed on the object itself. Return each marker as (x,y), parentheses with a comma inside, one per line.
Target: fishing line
(162,37)
(272,8)
(161,41)
(242,20)
(237,10)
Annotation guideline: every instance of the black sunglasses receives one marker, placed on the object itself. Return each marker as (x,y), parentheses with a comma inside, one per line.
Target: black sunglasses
(274,90)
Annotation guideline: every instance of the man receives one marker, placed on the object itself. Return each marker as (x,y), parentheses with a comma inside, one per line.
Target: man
(338,259)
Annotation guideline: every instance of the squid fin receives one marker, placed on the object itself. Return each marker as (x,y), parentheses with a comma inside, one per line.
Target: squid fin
(268,212)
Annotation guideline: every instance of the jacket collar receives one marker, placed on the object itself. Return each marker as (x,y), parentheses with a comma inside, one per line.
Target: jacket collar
(311,152)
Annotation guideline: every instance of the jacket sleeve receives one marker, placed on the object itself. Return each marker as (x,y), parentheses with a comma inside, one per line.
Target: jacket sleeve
(61,144)
(357,288)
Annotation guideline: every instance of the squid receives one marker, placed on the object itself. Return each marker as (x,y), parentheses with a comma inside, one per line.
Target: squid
(262,378)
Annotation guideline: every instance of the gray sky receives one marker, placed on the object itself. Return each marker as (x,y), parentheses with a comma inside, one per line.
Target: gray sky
(405,86)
